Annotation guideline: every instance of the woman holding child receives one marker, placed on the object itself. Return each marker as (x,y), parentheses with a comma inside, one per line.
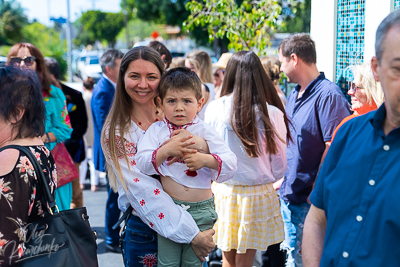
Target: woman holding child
(132,112)
(251,118)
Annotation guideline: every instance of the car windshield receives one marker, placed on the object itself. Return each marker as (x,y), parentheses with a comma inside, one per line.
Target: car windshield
(94,60)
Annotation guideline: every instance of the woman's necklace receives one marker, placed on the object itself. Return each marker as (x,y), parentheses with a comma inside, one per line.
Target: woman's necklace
(140,123)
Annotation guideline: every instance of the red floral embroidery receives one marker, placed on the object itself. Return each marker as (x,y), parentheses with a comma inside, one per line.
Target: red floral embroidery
(142,202)
(149,260)
(133,162)
(161,216)
(153,160)
(157,191)
(219,164)
(130,148)
(172,127)
(136,180)
(151,224)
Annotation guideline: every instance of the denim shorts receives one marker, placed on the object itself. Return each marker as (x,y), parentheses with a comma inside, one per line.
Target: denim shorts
(139,244)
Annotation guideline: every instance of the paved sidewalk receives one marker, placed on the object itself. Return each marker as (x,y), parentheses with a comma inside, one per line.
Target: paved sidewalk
(95,202)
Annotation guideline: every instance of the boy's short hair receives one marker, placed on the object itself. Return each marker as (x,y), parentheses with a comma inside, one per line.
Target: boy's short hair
(180,78)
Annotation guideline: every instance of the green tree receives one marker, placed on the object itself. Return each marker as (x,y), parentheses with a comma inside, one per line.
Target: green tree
(95,25)
(167,12)
(48,41)
(139,29)
(12,20)
(300,20)
(247,25)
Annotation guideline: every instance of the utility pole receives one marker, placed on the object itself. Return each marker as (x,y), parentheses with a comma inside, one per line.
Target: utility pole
(69,43)
(125,12)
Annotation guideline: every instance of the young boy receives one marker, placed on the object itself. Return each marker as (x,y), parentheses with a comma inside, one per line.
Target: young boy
(187,181)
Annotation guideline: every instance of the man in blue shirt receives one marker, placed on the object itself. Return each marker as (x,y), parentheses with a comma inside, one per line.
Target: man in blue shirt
(315,107)
(103,95)
(354,217)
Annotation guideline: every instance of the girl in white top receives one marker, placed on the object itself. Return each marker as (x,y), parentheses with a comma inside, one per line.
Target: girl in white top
(133,110)
(251,119)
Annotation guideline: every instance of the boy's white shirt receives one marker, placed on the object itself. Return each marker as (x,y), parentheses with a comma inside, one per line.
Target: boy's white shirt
(265,169)
(146,196)
(159,132)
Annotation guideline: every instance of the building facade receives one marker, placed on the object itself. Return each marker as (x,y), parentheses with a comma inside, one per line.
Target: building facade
(344,33)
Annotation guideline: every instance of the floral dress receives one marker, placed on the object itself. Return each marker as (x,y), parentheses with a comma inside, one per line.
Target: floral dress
(20,202)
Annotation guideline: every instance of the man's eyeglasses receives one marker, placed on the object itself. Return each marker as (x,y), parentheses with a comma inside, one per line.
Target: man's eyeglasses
(27,60)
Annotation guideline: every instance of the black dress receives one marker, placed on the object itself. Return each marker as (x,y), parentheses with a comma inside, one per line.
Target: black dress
(20,202)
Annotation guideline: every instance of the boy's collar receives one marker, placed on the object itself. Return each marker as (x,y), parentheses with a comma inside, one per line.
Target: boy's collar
(173,126)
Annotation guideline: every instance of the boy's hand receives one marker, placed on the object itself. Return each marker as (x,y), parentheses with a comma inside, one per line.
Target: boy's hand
(194,161)
(198,160)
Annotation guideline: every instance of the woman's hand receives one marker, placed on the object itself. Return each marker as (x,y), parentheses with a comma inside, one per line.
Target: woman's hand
(203,244)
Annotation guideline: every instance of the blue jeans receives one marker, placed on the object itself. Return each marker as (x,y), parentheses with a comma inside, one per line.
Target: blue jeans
(112,216)
(139,244)
(293,218)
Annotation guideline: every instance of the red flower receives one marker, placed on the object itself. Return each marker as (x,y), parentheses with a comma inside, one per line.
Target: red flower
(149,260)
(133,163)
(157,191)
(136,180)
(142,202)
(151,225)
(161,216)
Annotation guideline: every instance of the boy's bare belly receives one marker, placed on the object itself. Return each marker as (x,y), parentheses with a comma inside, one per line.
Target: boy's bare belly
(184,193)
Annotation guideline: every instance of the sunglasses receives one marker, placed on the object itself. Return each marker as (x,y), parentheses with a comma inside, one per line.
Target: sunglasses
(354,87)
(27,60)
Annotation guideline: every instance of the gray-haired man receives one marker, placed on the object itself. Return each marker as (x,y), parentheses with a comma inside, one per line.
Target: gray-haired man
(353,220)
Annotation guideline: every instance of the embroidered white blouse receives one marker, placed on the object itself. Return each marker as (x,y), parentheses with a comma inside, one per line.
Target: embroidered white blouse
(250,171)
(159,132)
(146,196)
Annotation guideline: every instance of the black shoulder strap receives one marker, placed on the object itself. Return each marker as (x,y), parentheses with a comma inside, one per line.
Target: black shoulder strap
(39,173)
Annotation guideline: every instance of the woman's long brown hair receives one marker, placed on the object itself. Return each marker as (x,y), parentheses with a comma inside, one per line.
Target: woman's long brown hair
(246,79)
(41,69)
(119,117)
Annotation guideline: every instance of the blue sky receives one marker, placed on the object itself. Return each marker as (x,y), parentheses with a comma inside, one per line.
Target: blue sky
(41,9)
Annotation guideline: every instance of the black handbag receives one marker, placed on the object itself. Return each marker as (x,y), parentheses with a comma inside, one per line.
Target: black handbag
(59,239)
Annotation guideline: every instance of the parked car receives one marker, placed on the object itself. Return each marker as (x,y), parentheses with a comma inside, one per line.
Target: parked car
(3,61)
(88,66)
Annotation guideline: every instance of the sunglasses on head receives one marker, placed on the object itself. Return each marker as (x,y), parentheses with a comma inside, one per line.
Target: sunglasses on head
(27,60)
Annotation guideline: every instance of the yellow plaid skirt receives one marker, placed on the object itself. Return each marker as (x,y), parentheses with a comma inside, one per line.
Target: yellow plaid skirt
(249,217)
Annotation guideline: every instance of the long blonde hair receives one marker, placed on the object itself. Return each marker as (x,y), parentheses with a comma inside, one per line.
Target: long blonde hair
(373,89)
(201,61)
(119,118)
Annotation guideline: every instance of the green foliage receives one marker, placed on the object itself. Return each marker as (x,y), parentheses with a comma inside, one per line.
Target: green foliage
(301,20)
(4,50)
(12,20)
(48,41)
(167,12)
(247,25)
(95,25)
(139,29)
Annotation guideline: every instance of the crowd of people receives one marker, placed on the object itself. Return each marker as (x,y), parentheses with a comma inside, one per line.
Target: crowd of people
(201,155)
